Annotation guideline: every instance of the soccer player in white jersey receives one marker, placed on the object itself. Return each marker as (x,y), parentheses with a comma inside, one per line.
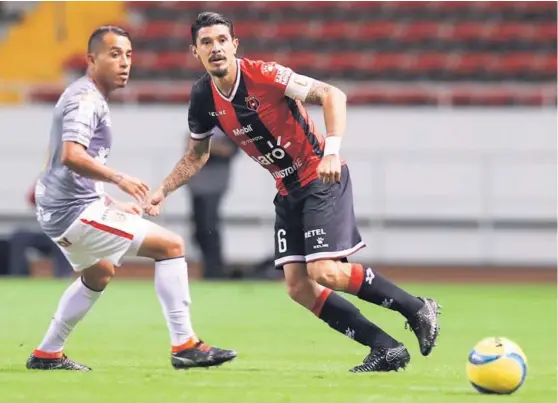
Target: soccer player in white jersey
(95,231)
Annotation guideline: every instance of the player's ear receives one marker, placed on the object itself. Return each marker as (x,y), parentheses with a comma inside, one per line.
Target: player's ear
(90,59)
(235,44)
(194,51)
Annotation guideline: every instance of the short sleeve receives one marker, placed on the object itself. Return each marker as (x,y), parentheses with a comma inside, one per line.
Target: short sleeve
(81,116)
(285,81)
(199,122)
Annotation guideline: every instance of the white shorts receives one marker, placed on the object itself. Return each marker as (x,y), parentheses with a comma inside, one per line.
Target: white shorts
(102,233)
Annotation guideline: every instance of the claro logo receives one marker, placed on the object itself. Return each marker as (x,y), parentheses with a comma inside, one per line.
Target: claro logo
(276,153)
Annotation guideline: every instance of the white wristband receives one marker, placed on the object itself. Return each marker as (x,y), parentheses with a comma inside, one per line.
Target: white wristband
(332,145)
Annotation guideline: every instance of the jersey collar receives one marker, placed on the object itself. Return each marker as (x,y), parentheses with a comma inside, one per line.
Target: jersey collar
(236,84)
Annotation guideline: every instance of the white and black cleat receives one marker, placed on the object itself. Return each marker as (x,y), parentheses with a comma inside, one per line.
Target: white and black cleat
(382,359)
(425,325)
(60,363)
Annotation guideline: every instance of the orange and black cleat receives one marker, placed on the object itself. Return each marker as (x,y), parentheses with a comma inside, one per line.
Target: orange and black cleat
(200,355)
(48,362)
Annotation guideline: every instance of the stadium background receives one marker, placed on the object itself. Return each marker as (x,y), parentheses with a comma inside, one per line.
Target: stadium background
(452,118)
(451,142)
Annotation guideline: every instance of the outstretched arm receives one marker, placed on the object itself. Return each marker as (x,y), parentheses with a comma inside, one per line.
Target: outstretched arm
(193,160)
(82,115)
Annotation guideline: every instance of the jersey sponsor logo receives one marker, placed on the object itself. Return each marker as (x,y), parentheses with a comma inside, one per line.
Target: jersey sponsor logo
(283,173)
(267,68)
(283,74)
(113,215)
(64,242)
(102,155)
(314,232)
(252,140)
(39,189)
(42,215)
(218,113)
(319,236)
(243,130)
(252,103)
(320,243)
(276,153)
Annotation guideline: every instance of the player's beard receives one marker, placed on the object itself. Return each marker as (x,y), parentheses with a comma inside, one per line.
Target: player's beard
(220,73)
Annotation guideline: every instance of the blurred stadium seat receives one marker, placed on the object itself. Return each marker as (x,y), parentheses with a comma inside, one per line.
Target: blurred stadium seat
(10,12)
(425,45)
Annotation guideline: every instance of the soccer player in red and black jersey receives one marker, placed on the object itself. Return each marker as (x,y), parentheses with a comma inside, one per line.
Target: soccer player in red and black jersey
(259,105)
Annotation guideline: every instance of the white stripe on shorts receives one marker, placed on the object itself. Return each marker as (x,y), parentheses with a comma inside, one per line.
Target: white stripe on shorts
(290,259)
(334,255)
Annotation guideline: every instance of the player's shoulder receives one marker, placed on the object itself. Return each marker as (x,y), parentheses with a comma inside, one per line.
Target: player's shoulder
(264,71)
(82,91)
(202,87)
(262,66)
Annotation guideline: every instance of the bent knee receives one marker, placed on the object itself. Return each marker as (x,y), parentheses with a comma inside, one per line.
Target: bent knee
(297,289)
(98,276)
(174,246)
(304,292)
(160,244)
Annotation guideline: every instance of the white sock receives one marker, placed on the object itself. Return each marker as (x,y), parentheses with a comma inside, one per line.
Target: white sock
(76,301)
(171,285)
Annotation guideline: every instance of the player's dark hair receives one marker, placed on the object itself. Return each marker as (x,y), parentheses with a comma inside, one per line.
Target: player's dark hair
(97,36)
(207,19)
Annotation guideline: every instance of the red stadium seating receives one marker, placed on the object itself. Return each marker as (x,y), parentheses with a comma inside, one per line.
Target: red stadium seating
(382,29)
(545,32)
(363,42)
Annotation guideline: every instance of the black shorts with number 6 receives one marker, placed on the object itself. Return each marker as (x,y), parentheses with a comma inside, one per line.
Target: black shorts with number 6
(316,222)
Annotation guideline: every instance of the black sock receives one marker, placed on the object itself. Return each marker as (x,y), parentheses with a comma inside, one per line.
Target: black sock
(373,287)
(344,317)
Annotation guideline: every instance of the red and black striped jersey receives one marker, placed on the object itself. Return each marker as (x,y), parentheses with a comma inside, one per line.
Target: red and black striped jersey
(265,117)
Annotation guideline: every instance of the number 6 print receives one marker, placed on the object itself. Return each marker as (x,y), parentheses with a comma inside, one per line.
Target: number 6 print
(281,240)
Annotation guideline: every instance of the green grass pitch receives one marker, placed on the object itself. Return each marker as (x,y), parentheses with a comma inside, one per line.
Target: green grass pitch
(285,354)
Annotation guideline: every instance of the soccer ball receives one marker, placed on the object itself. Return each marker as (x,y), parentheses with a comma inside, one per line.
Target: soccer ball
(496,366)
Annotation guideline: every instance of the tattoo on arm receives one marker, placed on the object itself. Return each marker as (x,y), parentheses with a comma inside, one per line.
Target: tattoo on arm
(317,93)
(195,158)
(117,178)
(200,147)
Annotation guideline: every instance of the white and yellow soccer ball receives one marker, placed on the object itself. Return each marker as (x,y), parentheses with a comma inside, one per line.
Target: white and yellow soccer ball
(496,365)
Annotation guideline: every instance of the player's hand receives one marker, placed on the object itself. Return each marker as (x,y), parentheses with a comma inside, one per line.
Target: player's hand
(133,186)
(154,203)
(329,169)
(131,208)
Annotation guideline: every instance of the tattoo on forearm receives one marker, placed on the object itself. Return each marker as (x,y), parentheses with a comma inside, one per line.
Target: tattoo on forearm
(117,178)
(194,159)
(317,92)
